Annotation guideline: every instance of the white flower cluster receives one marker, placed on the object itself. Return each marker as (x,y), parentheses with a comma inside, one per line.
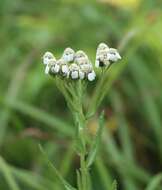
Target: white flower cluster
(106,56)
(71,65)
(76,65)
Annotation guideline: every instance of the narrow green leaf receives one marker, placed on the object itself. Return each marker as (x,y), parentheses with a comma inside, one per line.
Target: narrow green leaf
(96,142)
(42,116)
(31,180)
(5,170)
(155,182)
(62,180)
(79,183)
(103,173)
(114,185)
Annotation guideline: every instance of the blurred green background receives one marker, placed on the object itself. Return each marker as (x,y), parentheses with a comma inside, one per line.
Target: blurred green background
(32,110)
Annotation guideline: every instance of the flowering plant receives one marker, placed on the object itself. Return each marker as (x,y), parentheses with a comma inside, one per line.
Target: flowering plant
(72,72)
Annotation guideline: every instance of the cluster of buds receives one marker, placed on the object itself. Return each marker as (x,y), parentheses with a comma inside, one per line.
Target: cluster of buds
(105,56)
(74,65)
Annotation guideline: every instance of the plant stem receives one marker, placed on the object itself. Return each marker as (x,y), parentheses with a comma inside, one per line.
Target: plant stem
(83,172)
(81,120)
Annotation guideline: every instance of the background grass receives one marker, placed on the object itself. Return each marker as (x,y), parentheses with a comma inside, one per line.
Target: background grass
(32,110)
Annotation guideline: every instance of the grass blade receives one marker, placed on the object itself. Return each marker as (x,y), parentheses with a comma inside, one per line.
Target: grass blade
(114,185)
(52,121)
(155,182)
(61,179)
(8,175)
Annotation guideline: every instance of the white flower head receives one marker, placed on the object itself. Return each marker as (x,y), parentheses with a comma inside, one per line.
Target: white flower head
(68,55)
(113,55)
(47,57)
(81,75)
(101,55)
(102,59)
(102,46)
(64,69)
(50,64)
(80,56)
(86,68)
(91,76)
(74,71)
(55,68)
(83,62)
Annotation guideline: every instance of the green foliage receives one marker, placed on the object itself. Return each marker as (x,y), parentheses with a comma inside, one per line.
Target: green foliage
(155,182)
(56,172)
(96,142)
(32,110)
(114,186)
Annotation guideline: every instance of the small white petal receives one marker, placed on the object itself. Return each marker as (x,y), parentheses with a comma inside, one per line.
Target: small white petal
(118,55)
(81,75)
(47,69)
(55,68)
(112,57)
(47,57)
(68,58)
(91,76)
(74,75)
(97,63)
(65,69)
(46,61)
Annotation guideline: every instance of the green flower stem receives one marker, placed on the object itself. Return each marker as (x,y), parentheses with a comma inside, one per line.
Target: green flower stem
(81,120)
(97,93)
(73,92)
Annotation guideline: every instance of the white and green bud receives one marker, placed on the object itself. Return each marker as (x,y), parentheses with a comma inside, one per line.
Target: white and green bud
(102,59)
(74,71)
(113,55)
(102,46)
(101,55)
(50,64)
(55,68)
(64,68)
(80,57)
(81,75)
(91,76)
(68,55)
(47,57)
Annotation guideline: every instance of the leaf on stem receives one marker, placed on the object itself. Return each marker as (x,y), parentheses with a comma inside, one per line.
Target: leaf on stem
(79,183)
(62,180)
(96,142)
(114,185)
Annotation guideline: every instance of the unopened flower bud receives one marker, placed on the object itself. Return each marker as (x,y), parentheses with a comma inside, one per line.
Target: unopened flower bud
(102,59)
(55,68)
(91,76)
(47,57)
(81,75)
(64,69)
(68,55)
(113,55)
(80,56)
(74,71)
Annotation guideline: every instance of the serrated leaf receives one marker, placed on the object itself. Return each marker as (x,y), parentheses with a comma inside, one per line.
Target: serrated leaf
(62,180)
(114,185)
(96,141)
